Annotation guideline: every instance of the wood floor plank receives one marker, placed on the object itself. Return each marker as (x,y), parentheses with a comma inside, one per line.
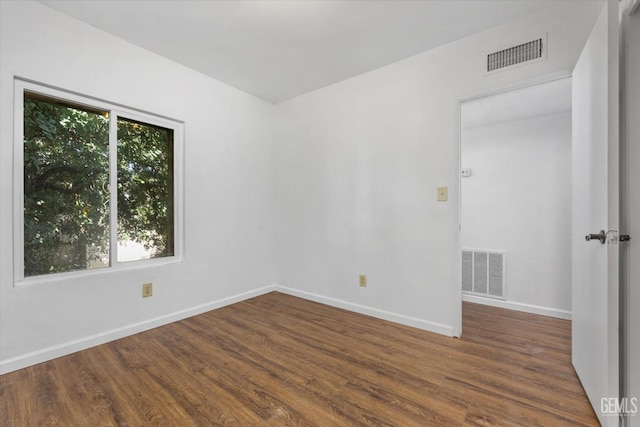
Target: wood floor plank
(278,360)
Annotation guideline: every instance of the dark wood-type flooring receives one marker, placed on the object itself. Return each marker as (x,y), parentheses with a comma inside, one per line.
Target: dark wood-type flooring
(280,360)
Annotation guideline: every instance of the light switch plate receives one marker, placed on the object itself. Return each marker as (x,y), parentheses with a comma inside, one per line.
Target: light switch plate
(443,194)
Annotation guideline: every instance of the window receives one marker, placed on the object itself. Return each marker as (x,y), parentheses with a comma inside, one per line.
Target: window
(99,184)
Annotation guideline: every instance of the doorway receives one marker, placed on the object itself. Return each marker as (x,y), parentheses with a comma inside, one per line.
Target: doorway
(515,152)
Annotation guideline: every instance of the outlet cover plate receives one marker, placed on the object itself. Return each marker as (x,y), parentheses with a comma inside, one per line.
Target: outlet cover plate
(147,290)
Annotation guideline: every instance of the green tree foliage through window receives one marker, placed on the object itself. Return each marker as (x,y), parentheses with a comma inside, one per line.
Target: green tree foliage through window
(66,187)
(145,186)
(66,199)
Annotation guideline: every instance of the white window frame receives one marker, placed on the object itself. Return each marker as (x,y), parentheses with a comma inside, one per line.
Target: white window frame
(115,111)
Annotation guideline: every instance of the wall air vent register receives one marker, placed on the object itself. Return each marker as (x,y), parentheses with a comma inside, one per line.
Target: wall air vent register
(483,273)
(525,52)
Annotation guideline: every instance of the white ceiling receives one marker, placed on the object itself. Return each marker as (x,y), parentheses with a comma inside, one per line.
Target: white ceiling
(277,50)
(540,100)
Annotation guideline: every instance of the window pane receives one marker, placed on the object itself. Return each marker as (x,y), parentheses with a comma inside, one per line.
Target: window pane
(66,177)
(145,191)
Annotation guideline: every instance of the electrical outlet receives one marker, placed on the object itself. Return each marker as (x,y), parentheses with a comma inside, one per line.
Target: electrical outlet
(147,290)
(363,280)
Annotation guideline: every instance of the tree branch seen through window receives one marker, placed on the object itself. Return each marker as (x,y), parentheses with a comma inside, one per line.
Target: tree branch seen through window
(66,188)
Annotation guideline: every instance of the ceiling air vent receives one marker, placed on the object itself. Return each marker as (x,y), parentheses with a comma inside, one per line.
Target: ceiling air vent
(515,55)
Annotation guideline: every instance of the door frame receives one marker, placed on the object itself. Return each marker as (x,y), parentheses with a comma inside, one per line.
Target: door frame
(538,80)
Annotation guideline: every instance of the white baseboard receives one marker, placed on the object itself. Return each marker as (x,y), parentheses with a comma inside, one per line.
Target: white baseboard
(370,311)
(64,349)
(528,308)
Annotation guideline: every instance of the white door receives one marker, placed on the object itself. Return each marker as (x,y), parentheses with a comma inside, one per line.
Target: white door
(595,207)
(630,190)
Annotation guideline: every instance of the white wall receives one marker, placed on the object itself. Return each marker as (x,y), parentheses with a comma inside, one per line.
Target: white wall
(518,199)
(358,164)
(228,191)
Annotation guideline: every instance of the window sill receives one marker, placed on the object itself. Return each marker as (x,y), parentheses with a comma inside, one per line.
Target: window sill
(75,275)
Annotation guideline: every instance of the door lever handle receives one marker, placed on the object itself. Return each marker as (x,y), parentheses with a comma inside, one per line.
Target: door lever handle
(602,237)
